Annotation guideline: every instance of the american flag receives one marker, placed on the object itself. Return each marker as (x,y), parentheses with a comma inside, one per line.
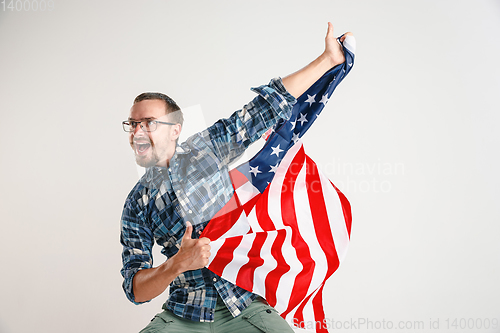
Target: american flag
(287,227)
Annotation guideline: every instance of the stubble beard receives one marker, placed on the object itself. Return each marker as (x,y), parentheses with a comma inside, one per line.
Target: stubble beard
(148,161)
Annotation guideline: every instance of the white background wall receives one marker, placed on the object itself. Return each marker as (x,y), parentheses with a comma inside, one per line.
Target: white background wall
(410,137)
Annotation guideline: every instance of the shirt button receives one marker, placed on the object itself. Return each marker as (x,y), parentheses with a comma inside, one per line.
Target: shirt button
(170,169)
(190,211)
(215,279)
(268,311)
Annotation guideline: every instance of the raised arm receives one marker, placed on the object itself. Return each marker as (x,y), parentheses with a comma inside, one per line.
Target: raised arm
(298,82)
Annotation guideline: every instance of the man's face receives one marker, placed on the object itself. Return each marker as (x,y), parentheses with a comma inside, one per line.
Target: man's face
(157,147)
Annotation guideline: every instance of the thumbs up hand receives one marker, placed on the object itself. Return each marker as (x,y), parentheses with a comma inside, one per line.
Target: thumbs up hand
(333,50)
(193,253)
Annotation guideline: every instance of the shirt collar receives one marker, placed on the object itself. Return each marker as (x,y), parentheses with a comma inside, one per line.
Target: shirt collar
(154,176)
(182,149)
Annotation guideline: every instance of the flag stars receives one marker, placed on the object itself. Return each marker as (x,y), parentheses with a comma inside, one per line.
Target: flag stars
(276,150)
(295,137)
(274,168)
(324,99)
(310,99)
(302,119)
(293,124)
(255,170)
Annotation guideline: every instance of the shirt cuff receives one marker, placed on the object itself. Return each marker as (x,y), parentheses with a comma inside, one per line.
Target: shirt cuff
(128,285)
(280,100)
(277,83)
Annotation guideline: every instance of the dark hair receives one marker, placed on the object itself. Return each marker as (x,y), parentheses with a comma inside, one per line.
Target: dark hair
(170,106)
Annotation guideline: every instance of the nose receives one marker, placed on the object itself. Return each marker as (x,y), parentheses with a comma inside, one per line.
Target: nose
(137,129)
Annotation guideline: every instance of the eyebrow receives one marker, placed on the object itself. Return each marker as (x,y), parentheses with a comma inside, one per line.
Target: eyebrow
(142,119)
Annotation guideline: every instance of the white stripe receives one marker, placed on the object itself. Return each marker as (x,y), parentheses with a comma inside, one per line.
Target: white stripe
(246,192)
(252,220)
(240,258)
(289,253)
(241,227)
(287,280)
(336,218)
(274,201)
(307,312)
(269,264)
(307,231)
(214,248)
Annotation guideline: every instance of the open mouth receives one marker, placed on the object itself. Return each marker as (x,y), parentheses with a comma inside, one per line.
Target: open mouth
(141,148)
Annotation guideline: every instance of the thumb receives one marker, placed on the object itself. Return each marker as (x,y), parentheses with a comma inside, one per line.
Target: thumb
(188,232)
(329,30)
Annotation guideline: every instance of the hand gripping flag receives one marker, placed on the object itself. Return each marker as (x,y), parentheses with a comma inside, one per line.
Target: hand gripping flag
(287,227)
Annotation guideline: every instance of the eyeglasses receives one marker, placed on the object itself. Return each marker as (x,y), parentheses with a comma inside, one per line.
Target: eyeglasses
(146,125)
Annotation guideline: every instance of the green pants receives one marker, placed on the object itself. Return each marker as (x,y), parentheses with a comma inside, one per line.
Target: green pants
(257,318)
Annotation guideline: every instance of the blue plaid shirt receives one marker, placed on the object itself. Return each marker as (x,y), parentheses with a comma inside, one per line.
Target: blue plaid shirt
(194,188)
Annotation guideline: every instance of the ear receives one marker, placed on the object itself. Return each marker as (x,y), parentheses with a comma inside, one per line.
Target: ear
(176,131)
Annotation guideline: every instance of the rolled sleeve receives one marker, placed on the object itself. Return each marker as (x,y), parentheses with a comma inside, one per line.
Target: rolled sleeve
(278,98)
(137,241)
(233,135)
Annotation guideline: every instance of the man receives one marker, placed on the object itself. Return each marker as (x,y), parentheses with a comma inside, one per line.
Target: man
(182,189)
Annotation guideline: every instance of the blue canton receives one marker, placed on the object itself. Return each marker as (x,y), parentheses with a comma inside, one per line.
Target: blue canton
(194,188)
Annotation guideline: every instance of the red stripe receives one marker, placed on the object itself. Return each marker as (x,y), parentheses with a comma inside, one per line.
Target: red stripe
(322,228)
(320,217)
(303,278)
(346,208)
(246,273)
(319,314)
(237,178)
(262,212)
(225,255)
(298,316)
(224,220)
(273,277)
(227,217)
